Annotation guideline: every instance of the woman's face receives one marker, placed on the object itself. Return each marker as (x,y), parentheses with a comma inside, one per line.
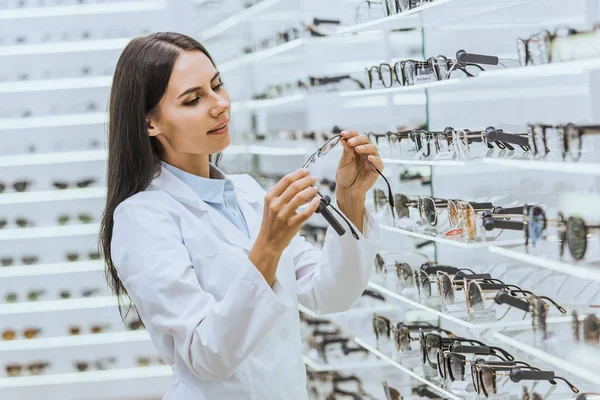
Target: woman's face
(194,105)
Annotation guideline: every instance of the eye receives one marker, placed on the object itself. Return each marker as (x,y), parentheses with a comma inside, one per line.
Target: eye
(192,102)
(219,86)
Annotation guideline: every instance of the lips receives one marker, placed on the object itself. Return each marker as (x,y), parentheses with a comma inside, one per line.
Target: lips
(219,127)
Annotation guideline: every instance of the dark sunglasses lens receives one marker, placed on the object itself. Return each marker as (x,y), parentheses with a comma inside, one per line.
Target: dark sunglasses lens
(21,186)
(429,211)
(488,381)
(405,273)
(475,297)
(401,205)
(404,339)
(536,224)
(3,223)
(432,345)
(425,284)
(60,185)
(379,262)
(380,199)
(456,372)
(380,327)
(2,187)
(447,291)
(591,330)
(327,147)
(576,237)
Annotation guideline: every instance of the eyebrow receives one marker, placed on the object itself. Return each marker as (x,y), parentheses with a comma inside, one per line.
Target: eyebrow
(190,90)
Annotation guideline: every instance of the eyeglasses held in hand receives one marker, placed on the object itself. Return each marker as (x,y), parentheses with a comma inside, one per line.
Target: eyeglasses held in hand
(326,200)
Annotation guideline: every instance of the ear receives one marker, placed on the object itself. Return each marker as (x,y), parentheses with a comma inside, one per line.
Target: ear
(151,127)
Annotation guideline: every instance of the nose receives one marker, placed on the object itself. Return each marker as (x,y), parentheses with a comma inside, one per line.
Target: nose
(220,105)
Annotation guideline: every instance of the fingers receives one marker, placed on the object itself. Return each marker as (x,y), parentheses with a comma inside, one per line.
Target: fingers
(285,182)
(295,188)
(302,197)
(358,140)
(308,212)
(367,149)
(377,161)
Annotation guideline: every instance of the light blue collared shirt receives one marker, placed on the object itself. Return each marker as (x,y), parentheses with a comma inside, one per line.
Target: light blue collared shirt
(218,192)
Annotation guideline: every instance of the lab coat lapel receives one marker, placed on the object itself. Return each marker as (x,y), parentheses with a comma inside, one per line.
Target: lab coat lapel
(179,190)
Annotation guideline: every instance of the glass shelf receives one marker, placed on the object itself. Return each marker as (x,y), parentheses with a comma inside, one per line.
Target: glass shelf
(94,339)
(547,258)
(83,9)
(53,195)
(373,349)
(51,269)
(59,305)
(484,325)
(319,367)
(264,8)
(542,165)
(64,47)
(53,121)
(572,362)
(451,242)
(53,158)
(46,85)
(44,232)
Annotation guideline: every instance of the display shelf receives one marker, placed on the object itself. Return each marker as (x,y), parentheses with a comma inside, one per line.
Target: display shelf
(261,55)
(82,9)
(541,259)
(262,9)
(398,89)
(59,305)
(94,339)
(45,232)
(51,269)
(285,103)
(485,325)
(50,121)
(352,312)
(450,242)
(46,85)
(62,157)
(445,394)
(541,165)
(320,367)
(53,195)
(569,364)
(114,383)
(439,163)
(74,46)
(441,13)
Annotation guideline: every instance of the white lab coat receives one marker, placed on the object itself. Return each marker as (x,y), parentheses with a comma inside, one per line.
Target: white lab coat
(211,315)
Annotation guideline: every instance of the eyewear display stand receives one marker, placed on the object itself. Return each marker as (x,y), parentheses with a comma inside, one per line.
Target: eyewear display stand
(521,130)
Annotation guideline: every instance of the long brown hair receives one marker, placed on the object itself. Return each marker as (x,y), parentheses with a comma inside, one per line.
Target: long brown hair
(139,82)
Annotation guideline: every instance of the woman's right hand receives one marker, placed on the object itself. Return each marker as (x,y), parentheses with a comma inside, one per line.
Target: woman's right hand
(280,221)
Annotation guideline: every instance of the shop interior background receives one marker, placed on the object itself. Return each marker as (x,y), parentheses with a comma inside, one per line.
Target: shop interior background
(62,337)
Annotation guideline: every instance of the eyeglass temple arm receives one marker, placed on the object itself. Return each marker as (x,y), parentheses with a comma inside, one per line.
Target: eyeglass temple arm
(503,297)
(494,135)
(463,59)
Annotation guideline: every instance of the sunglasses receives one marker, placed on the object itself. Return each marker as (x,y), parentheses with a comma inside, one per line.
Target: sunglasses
(35,368)
(72,257)
(29,333)
(83,218)
(570,138)
(18,186)
(452,364)
(591,329)
(77,329)
(147,361)
(26,260)
(19,222)
(33,295)
(101,364)
(574,232)
(325,149)
(66,294)
(485,375)
(84,183)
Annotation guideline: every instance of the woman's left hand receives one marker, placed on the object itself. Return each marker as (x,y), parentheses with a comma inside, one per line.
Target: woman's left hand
(354,175)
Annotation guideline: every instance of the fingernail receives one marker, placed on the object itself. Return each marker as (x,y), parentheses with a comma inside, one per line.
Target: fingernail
(306,171)
(352,141)
(344,133)
(314,179)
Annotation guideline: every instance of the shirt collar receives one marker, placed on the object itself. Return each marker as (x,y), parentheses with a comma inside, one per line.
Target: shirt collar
(217,189)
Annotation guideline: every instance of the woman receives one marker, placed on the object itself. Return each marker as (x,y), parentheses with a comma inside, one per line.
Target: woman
(216,287)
